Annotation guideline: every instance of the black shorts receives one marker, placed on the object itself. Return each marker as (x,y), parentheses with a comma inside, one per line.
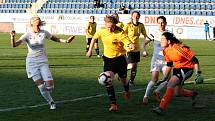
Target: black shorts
(183,73)
(89,41)
(117,65)
(133,57)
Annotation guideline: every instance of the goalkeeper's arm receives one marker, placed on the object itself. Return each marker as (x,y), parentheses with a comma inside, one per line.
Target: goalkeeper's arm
(196,65)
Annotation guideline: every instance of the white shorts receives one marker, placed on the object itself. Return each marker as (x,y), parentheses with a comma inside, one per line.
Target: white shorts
(158,65)
(38,71)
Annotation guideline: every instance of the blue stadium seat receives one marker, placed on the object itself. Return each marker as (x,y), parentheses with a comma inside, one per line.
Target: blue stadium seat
(197,1)
(142,6)
(192,1)
(167,6)
(213,7)
(157,6)
(171,12)
(213,13)
(172,6)
(152,12)
(176,12)
(182,12)
(209,13)
(193,12)
(166,12)
(199,12)
(162,6)
(187,6)
(147,6)
(203,6)
(187,1)
(182,6)
(187,12)
(161,12)
(204,13)
(152,6)
(192,6)
(156,12)
(208,6)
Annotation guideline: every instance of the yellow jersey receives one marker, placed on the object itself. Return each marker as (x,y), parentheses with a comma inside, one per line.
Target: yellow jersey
(120,24)
(133,32)
(114,42)
(90,29)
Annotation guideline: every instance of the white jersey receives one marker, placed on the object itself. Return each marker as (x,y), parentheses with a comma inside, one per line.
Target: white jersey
(35,43)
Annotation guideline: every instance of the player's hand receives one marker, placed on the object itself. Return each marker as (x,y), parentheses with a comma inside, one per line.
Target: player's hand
(131,46)
(199,79)
(13,33)
(89,54)
(70,39)
(145,54)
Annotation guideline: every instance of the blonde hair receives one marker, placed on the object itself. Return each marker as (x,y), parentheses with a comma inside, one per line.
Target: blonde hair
(37,19)
(111,19)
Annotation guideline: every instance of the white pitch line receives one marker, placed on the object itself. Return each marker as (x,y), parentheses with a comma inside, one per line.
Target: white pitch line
(59,102)
(74,100)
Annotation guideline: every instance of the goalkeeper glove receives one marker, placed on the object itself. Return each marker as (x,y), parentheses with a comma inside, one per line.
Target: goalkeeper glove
(199,79)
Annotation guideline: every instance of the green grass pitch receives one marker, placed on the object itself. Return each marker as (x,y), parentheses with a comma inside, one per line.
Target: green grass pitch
(78,95)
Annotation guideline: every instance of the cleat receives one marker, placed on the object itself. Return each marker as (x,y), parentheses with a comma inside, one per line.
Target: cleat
(52,106)
(113,108)
(131,83)
(145,100)
(157,96)
(158,111)
(126,95)
(195,93)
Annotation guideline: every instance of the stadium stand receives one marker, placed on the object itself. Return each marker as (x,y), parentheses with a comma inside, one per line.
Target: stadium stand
(158,7)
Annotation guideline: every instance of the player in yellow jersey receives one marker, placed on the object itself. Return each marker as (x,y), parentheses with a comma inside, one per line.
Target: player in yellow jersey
(133,30)
(119,23)
(114,41)
(90,31)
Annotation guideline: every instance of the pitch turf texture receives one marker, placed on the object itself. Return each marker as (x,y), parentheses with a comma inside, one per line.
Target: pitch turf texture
(75,77)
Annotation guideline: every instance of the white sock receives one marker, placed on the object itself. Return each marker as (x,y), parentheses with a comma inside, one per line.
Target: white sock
(149,88)
(161,86)
(45,93)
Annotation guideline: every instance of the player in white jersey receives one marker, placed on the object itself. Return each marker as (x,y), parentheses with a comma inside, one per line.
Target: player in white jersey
(157,62)
(37,66)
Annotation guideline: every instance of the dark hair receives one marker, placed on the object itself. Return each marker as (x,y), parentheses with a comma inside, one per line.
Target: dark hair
(173,40)
(162,17)
(92,16)
(135,12)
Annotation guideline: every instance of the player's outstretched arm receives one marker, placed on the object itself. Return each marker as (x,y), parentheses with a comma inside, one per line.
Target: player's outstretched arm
(69,40)
(14,43)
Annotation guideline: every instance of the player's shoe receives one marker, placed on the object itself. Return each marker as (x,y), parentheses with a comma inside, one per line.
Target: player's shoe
(113,107)
(126,95)
(98,56)
(131,83)
(158,111)
(145,100)
(195,93)
(52,106)
(157,96)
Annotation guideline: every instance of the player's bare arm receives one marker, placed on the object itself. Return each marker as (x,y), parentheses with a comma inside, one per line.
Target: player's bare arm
(14,43)
(69,40)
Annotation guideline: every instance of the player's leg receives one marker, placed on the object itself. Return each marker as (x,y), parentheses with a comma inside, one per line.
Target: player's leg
(97,48)
(109,66)
(48,83)
(133,59)
(150,86)
(121,68)
(88,43)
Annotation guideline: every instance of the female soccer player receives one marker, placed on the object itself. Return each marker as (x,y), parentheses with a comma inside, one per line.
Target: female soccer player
(157,62)
(114,39)
(133,30)
(182,58)
(36,61)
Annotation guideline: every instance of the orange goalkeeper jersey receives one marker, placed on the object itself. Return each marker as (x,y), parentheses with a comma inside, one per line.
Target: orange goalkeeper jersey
(180,56)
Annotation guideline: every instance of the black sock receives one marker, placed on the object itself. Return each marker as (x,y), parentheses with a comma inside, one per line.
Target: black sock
(111,94)
(133,74)
(97,51)
(126,87)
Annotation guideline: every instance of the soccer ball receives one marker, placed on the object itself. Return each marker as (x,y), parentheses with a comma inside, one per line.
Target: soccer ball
(105,78)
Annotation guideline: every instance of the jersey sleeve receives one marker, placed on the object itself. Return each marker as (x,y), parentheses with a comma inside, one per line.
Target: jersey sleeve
(166,58)
(24,38)
(143,30)
(97,34)
(48,34)
(125,28)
